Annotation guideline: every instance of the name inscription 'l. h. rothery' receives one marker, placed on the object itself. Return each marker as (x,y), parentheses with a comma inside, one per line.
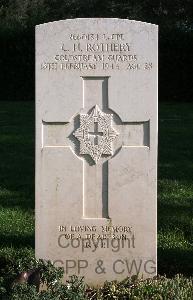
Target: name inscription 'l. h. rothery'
(102,42)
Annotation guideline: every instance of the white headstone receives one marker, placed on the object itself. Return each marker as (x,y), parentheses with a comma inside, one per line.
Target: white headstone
(96,147)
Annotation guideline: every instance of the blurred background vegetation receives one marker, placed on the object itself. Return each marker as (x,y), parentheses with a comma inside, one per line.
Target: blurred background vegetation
(17,39)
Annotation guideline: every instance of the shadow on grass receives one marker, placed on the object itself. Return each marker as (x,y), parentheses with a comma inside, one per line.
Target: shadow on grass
(176,150)
(16,241)
(173,261)
(17,154)
(14,199)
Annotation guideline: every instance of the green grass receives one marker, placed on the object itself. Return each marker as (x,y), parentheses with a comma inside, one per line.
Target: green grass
(175,189)
(175,186)
(16,178)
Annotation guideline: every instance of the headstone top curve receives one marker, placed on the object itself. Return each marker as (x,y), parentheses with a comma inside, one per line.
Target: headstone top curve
(94,20)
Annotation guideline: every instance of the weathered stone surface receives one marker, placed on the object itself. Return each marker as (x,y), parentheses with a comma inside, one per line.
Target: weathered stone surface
(96,147)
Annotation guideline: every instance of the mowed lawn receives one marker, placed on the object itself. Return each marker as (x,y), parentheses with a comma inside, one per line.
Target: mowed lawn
(175,186)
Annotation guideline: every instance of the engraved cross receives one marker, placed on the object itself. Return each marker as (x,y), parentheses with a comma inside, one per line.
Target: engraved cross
(96,121)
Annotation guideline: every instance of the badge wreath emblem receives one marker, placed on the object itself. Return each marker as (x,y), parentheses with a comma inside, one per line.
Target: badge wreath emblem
(96,134)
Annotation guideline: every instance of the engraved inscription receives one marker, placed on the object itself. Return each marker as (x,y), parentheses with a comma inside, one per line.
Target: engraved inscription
(96,233)
(94,51)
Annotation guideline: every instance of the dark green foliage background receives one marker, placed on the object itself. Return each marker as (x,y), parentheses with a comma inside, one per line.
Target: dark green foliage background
(17,39)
